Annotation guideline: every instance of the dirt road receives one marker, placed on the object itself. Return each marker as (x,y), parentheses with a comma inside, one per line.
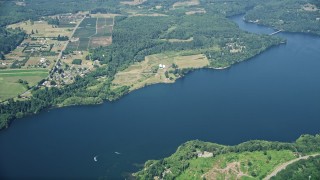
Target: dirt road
(283,166)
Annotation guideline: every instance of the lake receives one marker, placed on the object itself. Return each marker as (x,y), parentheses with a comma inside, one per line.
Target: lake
(273,96)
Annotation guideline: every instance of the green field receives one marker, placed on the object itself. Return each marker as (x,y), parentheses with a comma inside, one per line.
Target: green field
(253,165)
(101,22)
(146,72)
(83,45)
(92,32)
(85,32)
(87,28)
(109,21)
(9,85)
(72,46)
(103,27)
(65,23)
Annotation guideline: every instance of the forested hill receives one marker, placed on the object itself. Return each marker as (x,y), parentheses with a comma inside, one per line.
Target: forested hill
(288,15)
(249,160)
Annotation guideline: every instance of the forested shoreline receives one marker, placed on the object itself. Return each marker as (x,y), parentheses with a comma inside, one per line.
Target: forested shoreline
(132,45)
(134,38)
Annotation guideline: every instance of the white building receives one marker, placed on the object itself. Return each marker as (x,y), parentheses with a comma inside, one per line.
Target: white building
(42,60)
(162,66)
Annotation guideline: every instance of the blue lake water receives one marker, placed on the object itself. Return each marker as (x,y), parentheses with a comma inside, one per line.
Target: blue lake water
(274,96)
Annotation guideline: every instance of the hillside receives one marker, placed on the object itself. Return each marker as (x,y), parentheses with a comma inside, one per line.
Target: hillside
(250,160)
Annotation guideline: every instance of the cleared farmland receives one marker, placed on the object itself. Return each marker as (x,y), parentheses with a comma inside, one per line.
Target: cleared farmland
(91,33)
(87,28)
(9,81)
(104,27)
(73,46)
(148,72)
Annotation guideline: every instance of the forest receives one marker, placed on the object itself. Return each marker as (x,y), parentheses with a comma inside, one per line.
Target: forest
(9,40)
(288,15)
(135,37)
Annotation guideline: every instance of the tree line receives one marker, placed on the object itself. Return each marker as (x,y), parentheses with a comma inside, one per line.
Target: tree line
(9,40)
(72,94)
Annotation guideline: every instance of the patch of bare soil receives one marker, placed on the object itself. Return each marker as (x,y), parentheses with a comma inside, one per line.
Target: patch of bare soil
(134,2)
(100,41)
(186,3)
(310,7)
(232,170)
(196,11)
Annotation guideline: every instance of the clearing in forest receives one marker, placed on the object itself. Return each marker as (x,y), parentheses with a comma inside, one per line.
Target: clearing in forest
(86,29)
(186,3)
(92,32)
(152,71)
(196,11)
(310,7)
(103,36)
(41,29)
(133,2)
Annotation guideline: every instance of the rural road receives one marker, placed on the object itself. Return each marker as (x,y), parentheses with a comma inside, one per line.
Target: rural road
(283,166)
(65,46)
(59,56)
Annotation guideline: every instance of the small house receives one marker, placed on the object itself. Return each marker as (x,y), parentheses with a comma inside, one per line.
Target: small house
(162,66)
(42,60)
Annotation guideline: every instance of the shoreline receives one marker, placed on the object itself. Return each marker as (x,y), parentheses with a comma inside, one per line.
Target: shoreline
(193,150)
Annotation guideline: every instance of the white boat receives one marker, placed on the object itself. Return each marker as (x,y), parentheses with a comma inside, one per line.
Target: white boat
(95,158)
(117,152)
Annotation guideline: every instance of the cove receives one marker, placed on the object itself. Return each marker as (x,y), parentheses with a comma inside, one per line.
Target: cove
(273,96)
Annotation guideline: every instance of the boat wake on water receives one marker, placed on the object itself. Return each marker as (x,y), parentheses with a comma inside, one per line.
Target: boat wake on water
(95,158)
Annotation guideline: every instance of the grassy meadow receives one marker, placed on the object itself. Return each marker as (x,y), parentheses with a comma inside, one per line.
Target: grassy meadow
(9,85)
(246,165)
(41,29)
(148,72)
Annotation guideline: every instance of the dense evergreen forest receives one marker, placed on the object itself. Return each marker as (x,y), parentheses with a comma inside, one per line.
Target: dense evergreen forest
(9,40)
(289,15)
(135,37)
(180,160)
